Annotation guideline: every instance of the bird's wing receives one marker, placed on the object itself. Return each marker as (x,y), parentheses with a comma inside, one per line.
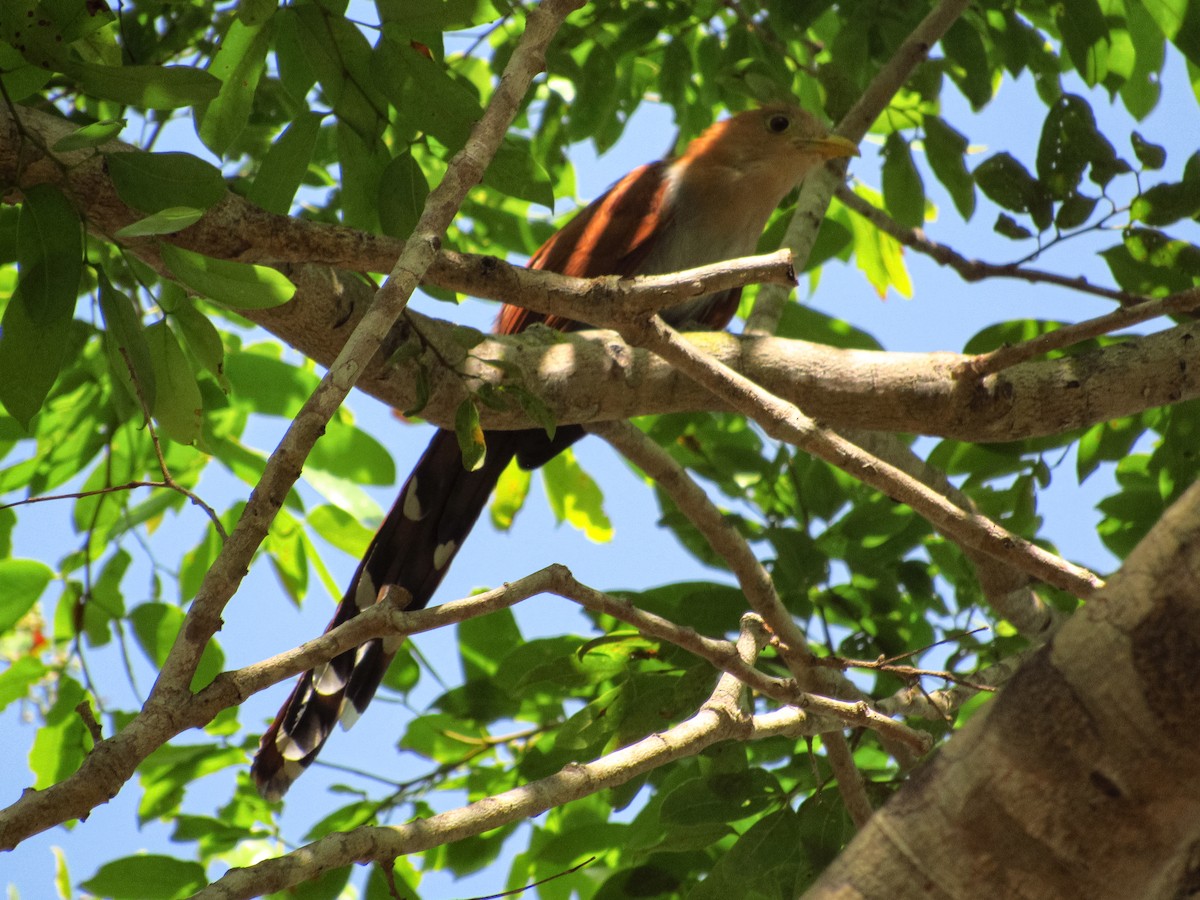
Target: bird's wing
(612,236)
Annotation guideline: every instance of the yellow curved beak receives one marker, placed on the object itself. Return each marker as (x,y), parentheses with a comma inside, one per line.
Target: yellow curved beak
(834,146)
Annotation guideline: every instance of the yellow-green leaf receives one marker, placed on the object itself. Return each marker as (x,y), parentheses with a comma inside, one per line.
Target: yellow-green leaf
(233,284)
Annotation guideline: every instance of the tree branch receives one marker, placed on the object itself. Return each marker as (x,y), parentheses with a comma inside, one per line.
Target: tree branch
(785,422)
(714,722)
(1086,766)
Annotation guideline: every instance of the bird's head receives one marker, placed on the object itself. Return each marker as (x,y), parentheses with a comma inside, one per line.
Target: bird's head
(772,148)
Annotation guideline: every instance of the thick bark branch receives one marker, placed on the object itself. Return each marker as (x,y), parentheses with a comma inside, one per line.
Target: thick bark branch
(596,379)
(1082,780)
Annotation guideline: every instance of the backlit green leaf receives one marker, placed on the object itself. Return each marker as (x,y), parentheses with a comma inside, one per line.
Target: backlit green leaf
(470,435)
(575,497)
(152,87)
(234,284)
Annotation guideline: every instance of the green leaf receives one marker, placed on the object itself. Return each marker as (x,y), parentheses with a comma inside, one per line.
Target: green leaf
(166,221)
(340,529)
(1008,226)
(201,337)
(284,166)
(766,862)
(1070,141)
(1142,89)
(1179,24)
(1165,204)
(153,182)
(432,737)
(515,172)
(167,773)
(125,344)
(151,87)
(21,583)
(470,435)
(1075,211)
(36,327)
(402,193)
(90,135)
(1151,156)
(233,284)
(49,255)
(535,407)
(20,79)
(484,641)
(1144,263)
(178,406)
(19,677)
(879,256)
(436,15)
(509,495)
(275,387)
(62,875)
(720,798)
(63,741)
(1087,38)
(426,95)
(340,56)
(1008,183)
(903,192)
(596,104)
(349,452)
(156,625)
(361,165)
(971,71)
(147,877)
(946,150)
(575,497)
(801,322)
(238,63)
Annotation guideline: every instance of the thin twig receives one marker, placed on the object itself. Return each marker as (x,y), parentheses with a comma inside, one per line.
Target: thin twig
(973,269)
(1068,335)
(849,779)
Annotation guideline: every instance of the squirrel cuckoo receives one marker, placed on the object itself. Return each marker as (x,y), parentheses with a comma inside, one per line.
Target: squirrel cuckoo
(708,205)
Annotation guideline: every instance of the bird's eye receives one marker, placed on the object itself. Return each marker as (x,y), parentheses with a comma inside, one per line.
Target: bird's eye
(778,124)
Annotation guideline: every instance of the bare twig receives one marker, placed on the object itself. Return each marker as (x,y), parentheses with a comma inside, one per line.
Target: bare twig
(972,269)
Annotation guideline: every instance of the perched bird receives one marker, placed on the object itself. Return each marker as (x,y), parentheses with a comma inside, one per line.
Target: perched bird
(708,205)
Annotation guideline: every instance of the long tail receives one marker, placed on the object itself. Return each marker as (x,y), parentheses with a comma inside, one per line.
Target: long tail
(434,513)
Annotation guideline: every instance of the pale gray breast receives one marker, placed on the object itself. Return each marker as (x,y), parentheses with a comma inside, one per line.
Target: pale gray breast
(706,227)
